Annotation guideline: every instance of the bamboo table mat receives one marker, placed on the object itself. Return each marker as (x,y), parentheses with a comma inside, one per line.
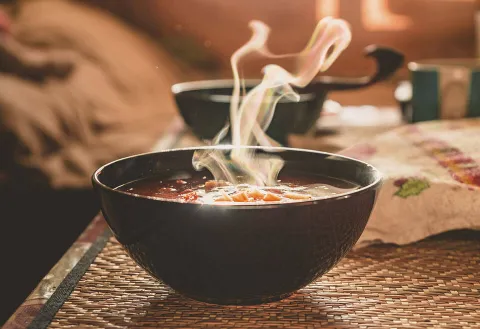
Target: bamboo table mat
(434,283)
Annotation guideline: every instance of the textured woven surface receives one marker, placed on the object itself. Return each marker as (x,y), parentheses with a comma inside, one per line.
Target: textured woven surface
(432,284)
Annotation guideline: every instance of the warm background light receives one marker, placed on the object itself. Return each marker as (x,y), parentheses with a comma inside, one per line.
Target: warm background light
(327,8)
(375,15)
(206,33)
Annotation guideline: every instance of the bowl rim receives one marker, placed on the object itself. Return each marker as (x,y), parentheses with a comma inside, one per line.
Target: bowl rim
(377,182)
(208,84)
(201,85)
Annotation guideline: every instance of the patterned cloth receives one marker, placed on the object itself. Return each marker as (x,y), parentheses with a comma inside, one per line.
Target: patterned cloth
(431,180)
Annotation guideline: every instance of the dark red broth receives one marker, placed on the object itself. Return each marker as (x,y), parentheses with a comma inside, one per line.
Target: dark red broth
(201,189)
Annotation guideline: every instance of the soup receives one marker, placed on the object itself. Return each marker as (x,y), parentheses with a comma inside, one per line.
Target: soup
(202,189)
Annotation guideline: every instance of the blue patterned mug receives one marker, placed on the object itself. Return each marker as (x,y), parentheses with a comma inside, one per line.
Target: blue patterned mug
(444,89)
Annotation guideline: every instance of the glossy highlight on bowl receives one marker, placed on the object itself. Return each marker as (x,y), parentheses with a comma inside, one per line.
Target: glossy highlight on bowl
(236,254)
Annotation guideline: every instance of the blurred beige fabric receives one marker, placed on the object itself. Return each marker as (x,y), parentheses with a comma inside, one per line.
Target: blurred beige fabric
(79,88)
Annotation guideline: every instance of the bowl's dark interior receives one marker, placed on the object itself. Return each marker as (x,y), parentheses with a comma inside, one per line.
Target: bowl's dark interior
(236,254)
(205,109)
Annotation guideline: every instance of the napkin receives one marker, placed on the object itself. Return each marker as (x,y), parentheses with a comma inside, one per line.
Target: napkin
(431,180)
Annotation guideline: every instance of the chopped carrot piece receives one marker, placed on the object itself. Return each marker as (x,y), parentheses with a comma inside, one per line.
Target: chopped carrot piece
(224,198)
(240,197)
(256,194)
(211,184)
(271,197)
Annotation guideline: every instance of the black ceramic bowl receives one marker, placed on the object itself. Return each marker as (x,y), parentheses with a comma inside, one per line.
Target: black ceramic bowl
(236,254)
(204,105)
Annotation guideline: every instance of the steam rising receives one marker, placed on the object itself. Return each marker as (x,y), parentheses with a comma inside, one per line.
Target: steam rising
(251,116)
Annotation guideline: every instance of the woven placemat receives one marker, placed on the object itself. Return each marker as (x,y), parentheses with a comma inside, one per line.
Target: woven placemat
(431,284)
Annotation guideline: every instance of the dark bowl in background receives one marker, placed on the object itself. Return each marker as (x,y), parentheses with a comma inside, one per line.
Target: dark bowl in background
(204,105)
(236,254)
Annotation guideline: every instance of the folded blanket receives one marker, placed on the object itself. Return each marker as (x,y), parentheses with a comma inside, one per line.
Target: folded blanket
(79,89)
(431,183)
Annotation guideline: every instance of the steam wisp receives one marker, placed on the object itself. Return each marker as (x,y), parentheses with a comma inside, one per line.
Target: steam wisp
(251,115)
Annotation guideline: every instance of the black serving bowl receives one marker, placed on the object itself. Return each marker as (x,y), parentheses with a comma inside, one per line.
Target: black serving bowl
(239,253)
(204,105)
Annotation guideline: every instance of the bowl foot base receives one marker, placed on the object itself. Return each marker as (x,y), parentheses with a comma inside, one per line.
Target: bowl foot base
(239,301)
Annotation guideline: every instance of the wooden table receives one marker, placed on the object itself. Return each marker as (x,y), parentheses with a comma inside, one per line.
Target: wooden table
(95,277)
(335,135)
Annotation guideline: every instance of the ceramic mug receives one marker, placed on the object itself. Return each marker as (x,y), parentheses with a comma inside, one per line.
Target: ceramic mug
(444,89)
